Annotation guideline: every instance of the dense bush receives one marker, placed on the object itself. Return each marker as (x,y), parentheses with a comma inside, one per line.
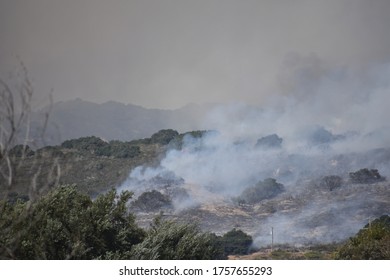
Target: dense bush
(90,143)
(330,182)
(21,150)
(118,149)
(178,141)
(97,146)
(151,201)
(319,135)
(365,176)
(14,197)
(370,243)
(167,240)
(266,189)
(66,224)
(236,242)
(164,136)
(270,141)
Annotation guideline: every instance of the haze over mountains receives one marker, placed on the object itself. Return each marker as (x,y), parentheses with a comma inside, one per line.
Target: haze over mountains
(114,120)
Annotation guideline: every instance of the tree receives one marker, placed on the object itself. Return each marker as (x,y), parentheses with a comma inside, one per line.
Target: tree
(119,149)
(370,243)
(331,182)
(66,224)
(266,189)
(163,136)
(178,142)
(366,176)
(90,143)
(236,242)
(272,141)
(151,201)
(167,240)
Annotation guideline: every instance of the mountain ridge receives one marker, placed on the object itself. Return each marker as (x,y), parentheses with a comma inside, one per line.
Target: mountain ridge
(113,120)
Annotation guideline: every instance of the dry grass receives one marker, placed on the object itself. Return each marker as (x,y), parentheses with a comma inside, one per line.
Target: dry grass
(287,252)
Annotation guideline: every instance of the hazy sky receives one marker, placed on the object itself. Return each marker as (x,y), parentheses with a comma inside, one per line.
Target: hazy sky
(167,53)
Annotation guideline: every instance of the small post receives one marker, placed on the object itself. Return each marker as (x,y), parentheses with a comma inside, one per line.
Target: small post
(272,239)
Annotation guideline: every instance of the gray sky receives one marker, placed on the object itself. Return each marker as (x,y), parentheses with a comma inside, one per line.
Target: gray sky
(167,53)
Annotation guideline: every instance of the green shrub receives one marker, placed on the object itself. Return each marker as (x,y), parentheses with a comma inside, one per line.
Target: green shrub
(65,224)
(21,150)
(118,149)
(280,254)
(266,189)
(98,147)
(90,143)
(164,136)
(370,243)
(236,242)
(151,201)
(313,255)
(14,197)
(178,141)
(330,182)
(269,141)
(365,176)
(168,240)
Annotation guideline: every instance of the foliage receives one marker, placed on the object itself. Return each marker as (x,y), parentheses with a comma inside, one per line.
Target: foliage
(152,200)
(270,141)
(266,189)
(314,255)
(196,133)
(370,243)
(65,224)
(21,150)
(89,143)
(330,182)
(167,240)
(366,176)
(236,242)
(118,149)
(178,141)
(280,254)
(97,146)
(319,135)
(164,136)
(13,197)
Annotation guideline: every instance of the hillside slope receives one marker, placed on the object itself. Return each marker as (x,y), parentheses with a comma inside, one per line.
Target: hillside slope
(114,120)
(316,207)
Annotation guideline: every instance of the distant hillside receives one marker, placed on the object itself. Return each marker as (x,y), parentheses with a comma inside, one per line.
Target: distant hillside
(317,207)
(114,120)
(92,164)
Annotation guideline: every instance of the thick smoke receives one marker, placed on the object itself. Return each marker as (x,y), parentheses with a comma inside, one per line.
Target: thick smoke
(332,123)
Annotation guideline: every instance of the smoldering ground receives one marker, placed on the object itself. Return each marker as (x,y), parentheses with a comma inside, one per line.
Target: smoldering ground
(332,128)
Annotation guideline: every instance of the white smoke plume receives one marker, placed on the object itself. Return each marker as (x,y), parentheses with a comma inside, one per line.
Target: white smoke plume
(330,122)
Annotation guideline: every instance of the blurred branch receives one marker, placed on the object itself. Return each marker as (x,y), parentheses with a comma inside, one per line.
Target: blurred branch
(16,157)
(15,127)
